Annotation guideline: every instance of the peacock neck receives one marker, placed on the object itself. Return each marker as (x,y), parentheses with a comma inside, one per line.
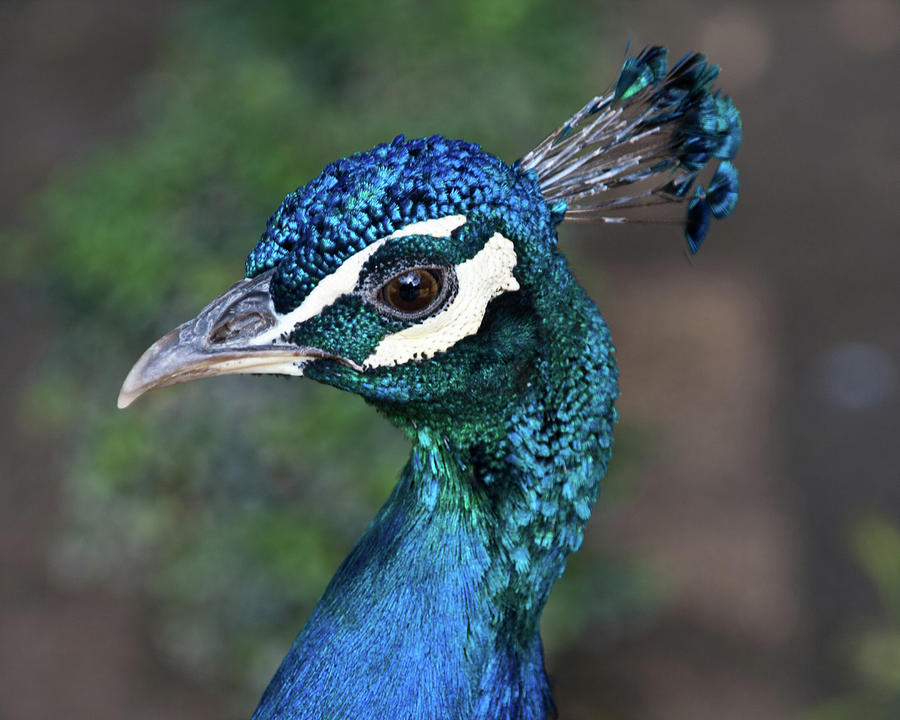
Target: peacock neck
(435,612)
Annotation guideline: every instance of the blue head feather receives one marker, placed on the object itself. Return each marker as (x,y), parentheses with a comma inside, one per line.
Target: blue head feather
(723,190)
(641,72)
(358,199)
(698,217)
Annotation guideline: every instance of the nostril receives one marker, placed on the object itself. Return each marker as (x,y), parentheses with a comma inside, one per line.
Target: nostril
(222,333)
(245,325)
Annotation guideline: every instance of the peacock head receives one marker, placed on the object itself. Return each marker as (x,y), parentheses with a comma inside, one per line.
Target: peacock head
(401,274)
(423,274)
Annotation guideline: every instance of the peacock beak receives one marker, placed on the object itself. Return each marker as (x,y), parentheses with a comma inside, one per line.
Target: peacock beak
(236,333)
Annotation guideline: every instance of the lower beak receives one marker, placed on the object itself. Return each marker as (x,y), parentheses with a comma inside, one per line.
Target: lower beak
(229,336)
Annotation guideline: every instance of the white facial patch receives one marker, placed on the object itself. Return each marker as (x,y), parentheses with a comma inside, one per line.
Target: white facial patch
(343,280)
(480,279)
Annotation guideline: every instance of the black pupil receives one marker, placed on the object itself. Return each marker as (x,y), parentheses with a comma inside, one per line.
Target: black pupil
(409,286)
(412,291)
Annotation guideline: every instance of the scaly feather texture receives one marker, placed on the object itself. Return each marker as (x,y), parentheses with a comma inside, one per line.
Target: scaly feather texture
(435,612)
(423,275)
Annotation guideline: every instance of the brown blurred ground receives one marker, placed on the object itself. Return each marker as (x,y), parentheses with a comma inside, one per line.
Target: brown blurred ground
(758,468)
(697,349)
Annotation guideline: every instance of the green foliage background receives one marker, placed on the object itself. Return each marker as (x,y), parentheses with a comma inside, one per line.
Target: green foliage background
(871,649)
(230,503)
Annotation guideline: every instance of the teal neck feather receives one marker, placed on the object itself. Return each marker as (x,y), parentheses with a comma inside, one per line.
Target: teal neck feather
(436,609)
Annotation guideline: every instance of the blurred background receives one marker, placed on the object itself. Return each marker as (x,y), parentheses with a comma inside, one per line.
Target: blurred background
(744,559)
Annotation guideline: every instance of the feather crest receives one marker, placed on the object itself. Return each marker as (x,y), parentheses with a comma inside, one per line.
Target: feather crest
(642,144)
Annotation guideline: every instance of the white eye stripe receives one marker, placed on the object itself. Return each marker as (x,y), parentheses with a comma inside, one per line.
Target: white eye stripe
(436,227)
(343,280)
(480,279)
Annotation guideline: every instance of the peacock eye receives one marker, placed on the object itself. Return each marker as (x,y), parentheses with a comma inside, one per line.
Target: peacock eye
(412,292)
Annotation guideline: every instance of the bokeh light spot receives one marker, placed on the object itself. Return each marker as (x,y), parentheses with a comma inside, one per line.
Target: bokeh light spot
(856,375)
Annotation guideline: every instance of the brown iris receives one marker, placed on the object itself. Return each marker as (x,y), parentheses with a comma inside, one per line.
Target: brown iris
(412,291)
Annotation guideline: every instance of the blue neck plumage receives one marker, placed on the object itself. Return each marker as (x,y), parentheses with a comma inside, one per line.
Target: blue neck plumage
(434,614)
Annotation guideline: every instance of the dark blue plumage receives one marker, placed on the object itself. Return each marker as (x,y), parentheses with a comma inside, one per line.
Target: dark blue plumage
(358,199)
(424,276)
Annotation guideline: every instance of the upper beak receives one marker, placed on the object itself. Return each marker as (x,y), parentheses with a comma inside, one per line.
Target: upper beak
(230,335)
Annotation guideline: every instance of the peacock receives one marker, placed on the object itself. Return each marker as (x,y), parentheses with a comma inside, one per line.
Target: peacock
(424,276)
